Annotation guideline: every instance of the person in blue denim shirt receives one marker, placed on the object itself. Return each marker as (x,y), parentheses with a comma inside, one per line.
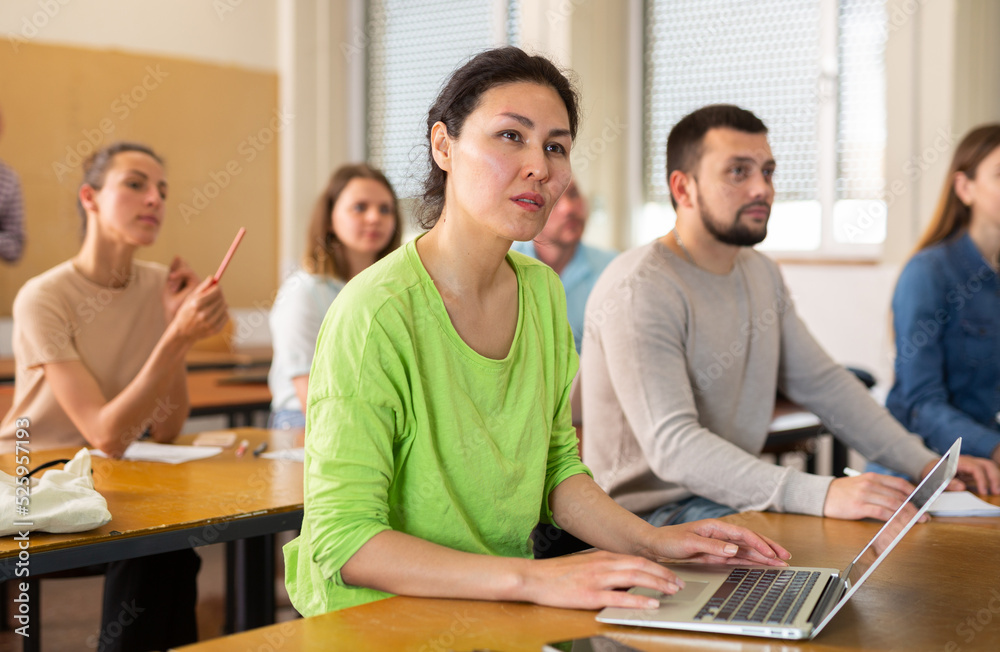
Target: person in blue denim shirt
(946,310)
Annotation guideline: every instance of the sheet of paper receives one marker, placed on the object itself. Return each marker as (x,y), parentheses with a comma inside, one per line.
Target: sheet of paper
(962,503)
(145,451)
(223,438)
(290,454)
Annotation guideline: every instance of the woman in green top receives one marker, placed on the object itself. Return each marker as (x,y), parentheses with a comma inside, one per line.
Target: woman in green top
(438,426)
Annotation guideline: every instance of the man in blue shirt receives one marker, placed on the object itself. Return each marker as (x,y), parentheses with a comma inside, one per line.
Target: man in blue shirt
(558,246)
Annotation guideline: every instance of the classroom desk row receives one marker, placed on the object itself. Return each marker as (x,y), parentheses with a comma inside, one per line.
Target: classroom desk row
(249,357)
(942,574)
(242,501)
(938,590)
(226,392)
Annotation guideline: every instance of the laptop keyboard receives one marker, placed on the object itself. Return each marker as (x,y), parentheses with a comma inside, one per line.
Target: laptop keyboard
(759,595)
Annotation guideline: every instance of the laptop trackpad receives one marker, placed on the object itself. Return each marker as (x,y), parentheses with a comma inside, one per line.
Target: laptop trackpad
(692,589)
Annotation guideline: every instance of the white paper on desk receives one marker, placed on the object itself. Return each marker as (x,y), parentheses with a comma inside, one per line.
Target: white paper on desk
(962,503)
(147,451)
(289,454)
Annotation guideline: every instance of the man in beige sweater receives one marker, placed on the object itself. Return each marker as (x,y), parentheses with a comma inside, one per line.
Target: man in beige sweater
(687,339)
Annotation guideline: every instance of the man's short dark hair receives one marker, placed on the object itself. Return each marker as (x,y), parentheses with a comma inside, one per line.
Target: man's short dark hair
(684,144)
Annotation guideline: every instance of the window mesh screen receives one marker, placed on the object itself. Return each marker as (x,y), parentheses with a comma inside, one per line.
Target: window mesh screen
(861,118)
(415,45)
(763,56)
(514,22)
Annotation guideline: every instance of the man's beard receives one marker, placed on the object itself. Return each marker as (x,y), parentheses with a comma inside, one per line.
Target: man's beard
(738,234)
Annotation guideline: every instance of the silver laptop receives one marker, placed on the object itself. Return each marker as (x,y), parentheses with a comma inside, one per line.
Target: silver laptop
(789,602)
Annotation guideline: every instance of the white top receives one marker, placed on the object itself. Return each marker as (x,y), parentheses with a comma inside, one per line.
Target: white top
(296,316)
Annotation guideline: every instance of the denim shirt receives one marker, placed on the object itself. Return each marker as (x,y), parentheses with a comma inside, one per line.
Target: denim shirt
(946,315)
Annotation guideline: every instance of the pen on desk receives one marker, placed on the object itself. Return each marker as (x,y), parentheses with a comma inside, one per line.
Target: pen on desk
(242,448)
(851,473)
(261,447)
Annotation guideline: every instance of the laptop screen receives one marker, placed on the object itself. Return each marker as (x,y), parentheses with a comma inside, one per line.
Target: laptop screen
(900,522)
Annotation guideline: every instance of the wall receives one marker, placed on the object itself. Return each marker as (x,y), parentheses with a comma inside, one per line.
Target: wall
(846,307)
(943,77)
(227,32)
(977,64)
(194,80)
(321,65)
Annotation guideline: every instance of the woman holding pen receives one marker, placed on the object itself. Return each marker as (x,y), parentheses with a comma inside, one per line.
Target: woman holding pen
(99,343)
(439,428)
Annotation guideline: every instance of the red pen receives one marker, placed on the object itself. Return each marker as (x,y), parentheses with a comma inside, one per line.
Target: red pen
(229,255)
(242,448)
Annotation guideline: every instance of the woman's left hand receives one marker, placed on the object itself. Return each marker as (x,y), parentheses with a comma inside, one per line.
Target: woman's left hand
(976,474)
(714,542)
(181,282)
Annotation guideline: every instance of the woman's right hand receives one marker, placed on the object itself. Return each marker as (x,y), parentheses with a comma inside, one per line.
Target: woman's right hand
(590,580)
(203,313)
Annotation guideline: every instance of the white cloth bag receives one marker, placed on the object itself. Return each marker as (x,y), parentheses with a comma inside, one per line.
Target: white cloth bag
(61,500)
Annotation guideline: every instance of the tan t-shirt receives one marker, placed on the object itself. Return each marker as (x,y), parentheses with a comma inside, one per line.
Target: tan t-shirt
(61,316)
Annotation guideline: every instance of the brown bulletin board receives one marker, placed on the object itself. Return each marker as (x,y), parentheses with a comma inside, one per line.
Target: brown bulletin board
(217,127)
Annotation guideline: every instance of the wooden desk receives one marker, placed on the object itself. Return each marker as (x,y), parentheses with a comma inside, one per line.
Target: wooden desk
(211,394)
(911,603)
(159,507)
(257,356)
(6,399)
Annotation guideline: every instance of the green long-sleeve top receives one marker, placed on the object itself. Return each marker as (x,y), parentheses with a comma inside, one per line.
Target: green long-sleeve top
(409,429)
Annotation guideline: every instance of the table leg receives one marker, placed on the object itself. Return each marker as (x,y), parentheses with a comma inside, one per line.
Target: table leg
(839,457)
(249,583)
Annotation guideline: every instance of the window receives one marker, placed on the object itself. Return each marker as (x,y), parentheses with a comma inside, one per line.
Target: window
(415,45)
(814,71)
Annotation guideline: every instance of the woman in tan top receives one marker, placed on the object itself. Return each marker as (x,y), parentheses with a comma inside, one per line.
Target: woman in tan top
(99,344)
(100,340)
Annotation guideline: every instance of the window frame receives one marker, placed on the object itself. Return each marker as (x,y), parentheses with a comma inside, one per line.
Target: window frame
(643,214)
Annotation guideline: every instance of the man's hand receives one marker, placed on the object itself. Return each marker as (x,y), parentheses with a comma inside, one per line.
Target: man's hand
(869,495)
(978,473)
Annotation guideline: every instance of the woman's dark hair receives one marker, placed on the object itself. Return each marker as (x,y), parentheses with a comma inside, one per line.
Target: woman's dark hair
(464,90)
(324,253)
(951,215)
(95,168)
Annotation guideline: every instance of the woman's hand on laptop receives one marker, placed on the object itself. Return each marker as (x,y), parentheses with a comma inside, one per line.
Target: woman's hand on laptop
(711,541)
(591,580)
